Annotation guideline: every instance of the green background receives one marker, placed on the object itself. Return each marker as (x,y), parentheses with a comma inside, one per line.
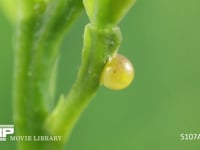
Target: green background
(162,39)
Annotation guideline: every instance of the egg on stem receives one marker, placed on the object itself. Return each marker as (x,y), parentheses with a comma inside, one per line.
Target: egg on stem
(118,73)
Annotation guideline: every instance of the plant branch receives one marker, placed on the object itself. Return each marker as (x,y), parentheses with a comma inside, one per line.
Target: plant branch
(39,33)
(101,40)
(40,28)
(99,45)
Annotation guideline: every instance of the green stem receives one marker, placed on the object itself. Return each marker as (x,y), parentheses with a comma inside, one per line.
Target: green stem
(101,39)
(40,29)
(39,34)
(99,44)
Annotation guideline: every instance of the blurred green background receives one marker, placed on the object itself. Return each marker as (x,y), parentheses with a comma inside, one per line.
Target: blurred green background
(162,39)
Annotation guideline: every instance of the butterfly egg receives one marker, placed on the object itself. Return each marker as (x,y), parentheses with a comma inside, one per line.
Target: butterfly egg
(118,73)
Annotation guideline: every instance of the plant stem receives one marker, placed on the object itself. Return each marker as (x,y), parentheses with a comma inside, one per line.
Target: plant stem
(101,39)
(38,37)
(99,45)
(40,28)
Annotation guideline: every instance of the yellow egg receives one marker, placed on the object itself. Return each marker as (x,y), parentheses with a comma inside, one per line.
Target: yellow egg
(118,73)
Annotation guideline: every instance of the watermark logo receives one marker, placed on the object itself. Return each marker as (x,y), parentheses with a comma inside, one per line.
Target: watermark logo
(6,130)
(7,134)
